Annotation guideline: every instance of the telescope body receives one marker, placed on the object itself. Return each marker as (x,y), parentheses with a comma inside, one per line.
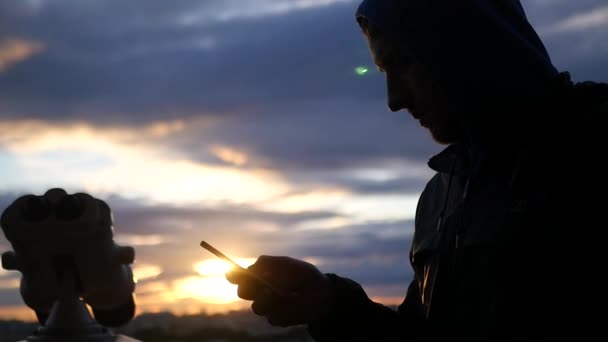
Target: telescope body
(64,247)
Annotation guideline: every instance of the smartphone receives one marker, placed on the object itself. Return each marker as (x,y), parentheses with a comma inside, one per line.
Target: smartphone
(223,256)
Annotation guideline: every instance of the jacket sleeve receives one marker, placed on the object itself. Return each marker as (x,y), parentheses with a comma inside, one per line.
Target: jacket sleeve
(353,316)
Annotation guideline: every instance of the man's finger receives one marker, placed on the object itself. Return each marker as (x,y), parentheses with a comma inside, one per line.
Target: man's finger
(265,303)
(285,313)
(249,290)
(278,321)
(237,276)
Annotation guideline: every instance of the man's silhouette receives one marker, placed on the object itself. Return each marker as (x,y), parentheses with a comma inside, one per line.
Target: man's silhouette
(506,242)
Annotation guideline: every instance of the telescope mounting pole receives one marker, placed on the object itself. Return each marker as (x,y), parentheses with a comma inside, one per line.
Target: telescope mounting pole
(70,319)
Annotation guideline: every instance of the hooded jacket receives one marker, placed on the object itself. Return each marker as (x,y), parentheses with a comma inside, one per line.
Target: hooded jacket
(506,244)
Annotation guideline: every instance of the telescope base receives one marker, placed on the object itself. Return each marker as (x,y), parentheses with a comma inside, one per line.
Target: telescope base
(71,321)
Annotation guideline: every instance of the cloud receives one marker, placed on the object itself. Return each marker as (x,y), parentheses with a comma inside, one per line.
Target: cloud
(97,60)
(146,271)
(590,19)
(287,96)
(127,160)
(13,51)
(233,10)
(371,253)
(574,33)
(153,162)
(9,283)
(354,250)
(308,112)
(31,136)
(136,240)
(167,251)
(239,122)
(171,220)
(10,297)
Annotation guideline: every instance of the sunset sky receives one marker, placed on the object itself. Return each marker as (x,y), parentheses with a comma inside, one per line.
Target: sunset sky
(245,123)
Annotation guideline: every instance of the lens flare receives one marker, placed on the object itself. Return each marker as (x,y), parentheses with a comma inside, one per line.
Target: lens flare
(361,70)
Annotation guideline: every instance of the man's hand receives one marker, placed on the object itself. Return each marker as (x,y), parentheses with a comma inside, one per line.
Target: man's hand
(306,293)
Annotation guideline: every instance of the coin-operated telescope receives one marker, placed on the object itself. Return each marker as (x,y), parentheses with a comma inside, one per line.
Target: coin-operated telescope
(64,248)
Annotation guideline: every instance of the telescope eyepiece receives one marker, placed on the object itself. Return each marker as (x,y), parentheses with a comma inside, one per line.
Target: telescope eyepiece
(69,207)
(35,208)
(57,237)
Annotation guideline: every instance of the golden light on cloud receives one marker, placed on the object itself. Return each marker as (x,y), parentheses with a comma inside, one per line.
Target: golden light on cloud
(13,51)
(211,287)
(20,312)
(229,155)
(184,181)
(354,208)
(294,203)
(7,279)
(152,295)
(32,136)
(189,295)
(136,240)
(382,207)
(213,290)
(328,223)
(218,267)
(131,161)
(146,271)
(163,129)
(212,267)
(9,283)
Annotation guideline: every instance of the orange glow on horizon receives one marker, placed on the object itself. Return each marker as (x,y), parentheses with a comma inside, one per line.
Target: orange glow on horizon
(211,286)
(212,290)
(18,312)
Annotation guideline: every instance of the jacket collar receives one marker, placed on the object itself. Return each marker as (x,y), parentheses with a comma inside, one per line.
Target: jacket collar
(461,159)
(453,159)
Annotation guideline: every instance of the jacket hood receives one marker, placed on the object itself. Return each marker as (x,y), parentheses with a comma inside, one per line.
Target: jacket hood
(484,51)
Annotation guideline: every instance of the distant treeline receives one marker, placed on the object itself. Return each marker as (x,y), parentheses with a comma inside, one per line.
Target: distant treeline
(222,334)
(164,327)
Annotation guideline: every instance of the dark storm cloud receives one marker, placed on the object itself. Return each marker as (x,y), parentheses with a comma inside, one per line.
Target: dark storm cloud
(354,241)
(150,220)
(10,297)
(542,13)
(398,186)
(574,33)
(394,186)
(100,60)
(114,59)
(375,253)
(327,135)
(284,85)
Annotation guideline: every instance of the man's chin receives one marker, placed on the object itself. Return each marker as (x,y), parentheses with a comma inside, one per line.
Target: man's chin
(442,136)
